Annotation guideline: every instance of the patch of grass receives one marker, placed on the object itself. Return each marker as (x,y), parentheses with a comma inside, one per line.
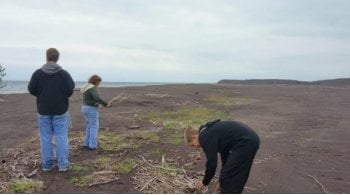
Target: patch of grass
(177,140)
(79,168)
(175,121)
(81,181)
(171,125)
(170,170)
(76,136)
(109,139)
(228,100)
(125,166)
(185,117)
(103,162)
(174,136)
(158,152)
(24,186)
(148,135)
(112,142)
(107,163)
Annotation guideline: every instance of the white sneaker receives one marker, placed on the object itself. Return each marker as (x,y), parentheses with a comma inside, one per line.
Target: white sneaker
(63,169)
(48,169)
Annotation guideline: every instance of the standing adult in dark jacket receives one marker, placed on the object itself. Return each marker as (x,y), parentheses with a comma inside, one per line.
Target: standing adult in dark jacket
(52,87)
(237,145)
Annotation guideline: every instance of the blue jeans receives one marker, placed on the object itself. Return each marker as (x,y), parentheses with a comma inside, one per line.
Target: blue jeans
(91,115)
(49,126)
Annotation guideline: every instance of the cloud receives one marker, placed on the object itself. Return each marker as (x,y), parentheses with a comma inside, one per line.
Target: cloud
(188,41)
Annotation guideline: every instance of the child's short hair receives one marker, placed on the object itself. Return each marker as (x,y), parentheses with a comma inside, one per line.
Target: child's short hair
(189,133)
(94,79)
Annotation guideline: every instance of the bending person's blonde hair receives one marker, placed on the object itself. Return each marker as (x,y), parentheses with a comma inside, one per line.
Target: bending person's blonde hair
(189,133)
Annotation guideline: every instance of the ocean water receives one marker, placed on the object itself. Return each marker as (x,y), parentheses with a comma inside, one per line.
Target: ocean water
(13,87)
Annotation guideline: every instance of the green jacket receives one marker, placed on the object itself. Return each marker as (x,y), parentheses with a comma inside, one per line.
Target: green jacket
(90,95)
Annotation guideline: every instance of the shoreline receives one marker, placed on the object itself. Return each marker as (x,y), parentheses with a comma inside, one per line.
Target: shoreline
(20,87)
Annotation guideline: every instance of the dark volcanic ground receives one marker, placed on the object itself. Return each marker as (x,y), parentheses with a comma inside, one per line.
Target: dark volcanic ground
(304,131)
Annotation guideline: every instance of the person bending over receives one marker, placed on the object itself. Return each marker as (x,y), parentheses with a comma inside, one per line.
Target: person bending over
(237,145)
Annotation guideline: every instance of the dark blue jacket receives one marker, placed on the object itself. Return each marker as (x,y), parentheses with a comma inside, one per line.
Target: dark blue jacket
(52,91)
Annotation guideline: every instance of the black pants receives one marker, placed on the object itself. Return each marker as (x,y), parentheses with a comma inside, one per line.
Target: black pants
(235,171)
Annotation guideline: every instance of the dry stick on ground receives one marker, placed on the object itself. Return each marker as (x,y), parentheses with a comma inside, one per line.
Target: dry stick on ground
(161,182)
(163,160)
(249,188)
(150,181)
(90,166)
(31,174)
(166,168)
(166,183)
(319,183)
(104,182)
(185,174)
(105,172)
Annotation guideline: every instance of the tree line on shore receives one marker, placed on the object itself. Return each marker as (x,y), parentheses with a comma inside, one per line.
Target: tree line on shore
(2,74)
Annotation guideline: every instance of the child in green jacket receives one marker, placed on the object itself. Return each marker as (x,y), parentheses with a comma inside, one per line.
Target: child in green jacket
(90,110)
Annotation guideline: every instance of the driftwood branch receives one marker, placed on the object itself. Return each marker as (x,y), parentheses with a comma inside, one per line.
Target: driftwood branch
(104,182)
(117,99)
(31,174)
(159,178)
(185,174)
(150,181)
(156,166)
(104,172)
(318,182)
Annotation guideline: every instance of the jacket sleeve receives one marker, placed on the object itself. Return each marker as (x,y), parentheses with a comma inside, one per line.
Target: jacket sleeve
(96,97)
(70,84)
(224,157)
(211,153)
(33,84)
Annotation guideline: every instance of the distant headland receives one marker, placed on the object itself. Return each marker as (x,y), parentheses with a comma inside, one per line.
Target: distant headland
(330,82)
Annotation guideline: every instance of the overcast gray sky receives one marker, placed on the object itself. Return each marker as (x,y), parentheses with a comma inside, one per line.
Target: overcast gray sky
(178,40)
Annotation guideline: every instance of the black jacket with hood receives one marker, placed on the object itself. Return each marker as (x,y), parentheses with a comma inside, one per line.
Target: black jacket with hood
(225,137)
(52,87)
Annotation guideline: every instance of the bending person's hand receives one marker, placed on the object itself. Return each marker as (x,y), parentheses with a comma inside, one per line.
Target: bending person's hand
(217,189)
(200,186)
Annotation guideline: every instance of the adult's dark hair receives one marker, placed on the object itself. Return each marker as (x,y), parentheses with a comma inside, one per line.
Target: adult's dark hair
(52,54)
(94,79)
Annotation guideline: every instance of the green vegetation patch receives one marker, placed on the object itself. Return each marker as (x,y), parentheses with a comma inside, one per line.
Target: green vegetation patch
(159,152)
(24,186)
(170,170)
(106,169)
(81,181)
(79,168)
(228,100)
(103,162)
(112,142)
(148,135)
(177,140)
(184,117)
(125,166)
(174,122)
